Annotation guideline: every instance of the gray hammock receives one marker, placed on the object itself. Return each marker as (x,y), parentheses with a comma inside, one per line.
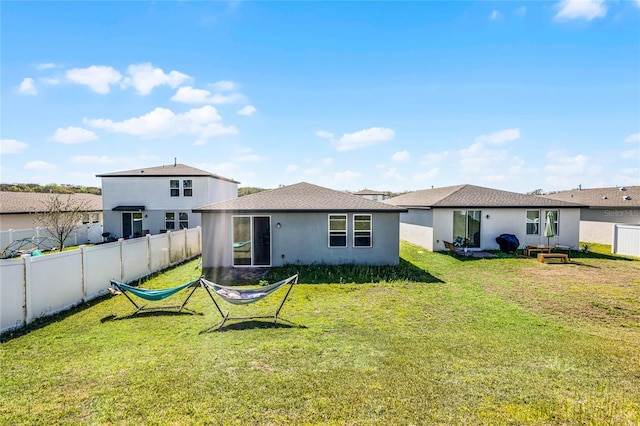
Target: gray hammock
(244,296)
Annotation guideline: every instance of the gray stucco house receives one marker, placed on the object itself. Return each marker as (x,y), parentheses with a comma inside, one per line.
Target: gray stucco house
(299,224)
(604,208)
(481,214)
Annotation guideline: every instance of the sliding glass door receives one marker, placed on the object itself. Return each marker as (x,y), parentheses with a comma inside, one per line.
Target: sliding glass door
(466,226)
(251,241)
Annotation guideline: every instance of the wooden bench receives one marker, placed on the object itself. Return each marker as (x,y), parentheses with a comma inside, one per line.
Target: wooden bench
(563,257)
(531,249)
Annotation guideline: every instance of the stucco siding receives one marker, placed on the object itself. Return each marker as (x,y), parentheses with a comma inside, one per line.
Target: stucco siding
(302,238)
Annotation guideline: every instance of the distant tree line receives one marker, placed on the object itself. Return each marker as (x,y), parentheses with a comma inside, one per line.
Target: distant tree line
(51,188)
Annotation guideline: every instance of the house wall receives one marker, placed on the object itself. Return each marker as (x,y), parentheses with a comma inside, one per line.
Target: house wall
(416,227)
(597,225)
(500,221)
(303,239)
(154,193)
(18,221)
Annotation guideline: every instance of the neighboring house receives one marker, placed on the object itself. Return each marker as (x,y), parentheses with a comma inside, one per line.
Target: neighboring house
(605,207)
(480,215)
(159,199)
(372,195)
(19,210)
(299,224)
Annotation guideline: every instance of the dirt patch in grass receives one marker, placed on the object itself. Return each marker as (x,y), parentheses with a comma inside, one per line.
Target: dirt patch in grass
(605,297)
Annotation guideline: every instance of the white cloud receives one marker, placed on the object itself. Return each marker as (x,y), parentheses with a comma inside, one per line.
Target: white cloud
(45,66)
(426,176)
(634,137)
(28,87)
(40,165)
(521,11)
(99,78)
(49,80)
(203,122)
(96,159)
(144,78)
(495,15)
(476,159)
(581,9)
(190,95)
(224,86)
(324,134)
(432,158)
(633,154)
(346,177)
(72,135)
(401,157)
(247,110)
(12,146)
(562,165)
(392,173)
(291,168)
(364,138)
(500,137)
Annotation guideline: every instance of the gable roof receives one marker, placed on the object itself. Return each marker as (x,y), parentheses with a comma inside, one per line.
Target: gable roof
(178,170)
(34,202)
(473,196)
(368,192)
(300,197)
(613,197)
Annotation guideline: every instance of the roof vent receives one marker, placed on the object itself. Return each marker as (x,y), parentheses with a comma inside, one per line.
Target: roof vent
(623,188)
(626,198)
(141,171)
(605,198)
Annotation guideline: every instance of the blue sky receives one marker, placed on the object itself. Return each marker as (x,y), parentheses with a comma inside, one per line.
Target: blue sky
(349,95)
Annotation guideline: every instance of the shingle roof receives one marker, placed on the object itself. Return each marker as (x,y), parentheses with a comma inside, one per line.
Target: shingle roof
(473,196)
(613,197)
(299,197)
(181,170)
(368,192)
(34,202)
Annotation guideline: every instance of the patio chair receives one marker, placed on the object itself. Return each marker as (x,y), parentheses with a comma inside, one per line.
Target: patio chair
(153,294)
(244,296)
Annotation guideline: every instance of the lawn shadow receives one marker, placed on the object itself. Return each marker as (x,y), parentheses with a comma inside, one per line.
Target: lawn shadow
(252,324)
(151,312)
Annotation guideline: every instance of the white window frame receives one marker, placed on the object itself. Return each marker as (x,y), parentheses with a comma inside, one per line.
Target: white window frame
(183,220)
(536,223)
(356,230)
(556,222)
(174,187)
(187,188)
(339,232)
(168,221)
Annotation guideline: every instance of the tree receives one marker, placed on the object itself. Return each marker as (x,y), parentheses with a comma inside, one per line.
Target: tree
(61,215)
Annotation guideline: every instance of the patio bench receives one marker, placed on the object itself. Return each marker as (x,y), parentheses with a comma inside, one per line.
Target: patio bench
(563,257)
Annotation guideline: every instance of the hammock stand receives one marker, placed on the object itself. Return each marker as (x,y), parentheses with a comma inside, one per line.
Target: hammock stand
(239,296)
(152,294)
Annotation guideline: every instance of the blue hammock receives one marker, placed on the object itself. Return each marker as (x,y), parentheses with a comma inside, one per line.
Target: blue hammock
(153,294)
(244,296)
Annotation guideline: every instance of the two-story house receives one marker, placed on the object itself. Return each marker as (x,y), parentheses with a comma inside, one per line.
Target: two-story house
(158,199)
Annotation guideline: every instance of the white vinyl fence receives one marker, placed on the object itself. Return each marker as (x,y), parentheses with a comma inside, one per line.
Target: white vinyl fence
(34,287)
(626,239)
(84,234)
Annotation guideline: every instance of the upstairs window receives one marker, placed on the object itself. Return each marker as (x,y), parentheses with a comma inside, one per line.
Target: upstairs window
(187,188)
(174,186)
(362,230)
(337,230)
(533,222)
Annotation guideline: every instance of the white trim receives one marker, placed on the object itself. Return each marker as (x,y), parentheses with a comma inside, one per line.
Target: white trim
(370,230)
(346,230)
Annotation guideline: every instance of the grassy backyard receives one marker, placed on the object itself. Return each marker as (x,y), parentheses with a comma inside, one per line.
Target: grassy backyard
(438,340)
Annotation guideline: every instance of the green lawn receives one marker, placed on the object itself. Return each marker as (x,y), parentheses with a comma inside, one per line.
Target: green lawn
(438,340)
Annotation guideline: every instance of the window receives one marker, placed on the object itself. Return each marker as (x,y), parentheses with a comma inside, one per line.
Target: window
(466,228)
(362,230)
(555,222)
(533,222)
(187,188)
(174,186)
(337,230)
(170,220)
(95,217)
(184,220)
(85,218)
(241,241)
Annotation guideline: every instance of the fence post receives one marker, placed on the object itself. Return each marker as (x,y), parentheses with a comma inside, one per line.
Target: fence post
(26,259)
(120,244)
(83,270)
(149,259)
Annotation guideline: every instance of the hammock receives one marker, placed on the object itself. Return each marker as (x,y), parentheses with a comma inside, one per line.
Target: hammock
(244,296)
(152,294)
